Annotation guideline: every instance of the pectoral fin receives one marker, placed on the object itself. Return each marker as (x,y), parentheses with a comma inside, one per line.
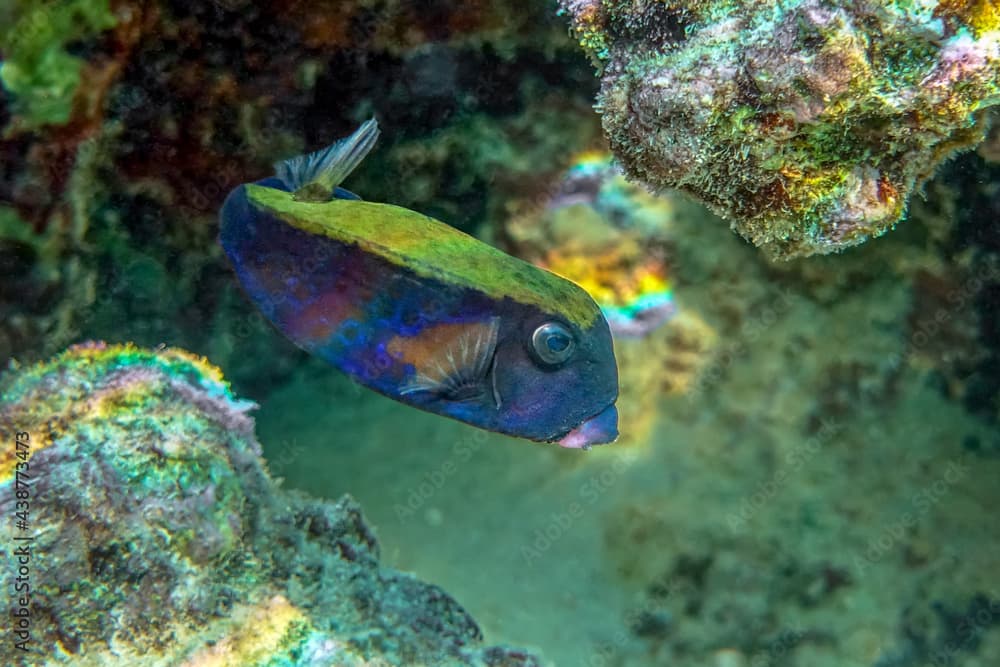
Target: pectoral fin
(452,361)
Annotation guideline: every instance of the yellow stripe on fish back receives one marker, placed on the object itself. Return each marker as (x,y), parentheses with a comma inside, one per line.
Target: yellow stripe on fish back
(432,249)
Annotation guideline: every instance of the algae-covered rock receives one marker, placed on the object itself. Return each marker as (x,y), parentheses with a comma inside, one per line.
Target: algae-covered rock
(808,124)
(150,533)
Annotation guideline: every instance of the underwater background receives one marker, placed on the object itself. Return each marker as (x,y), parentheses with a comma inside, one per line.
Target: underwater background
(789,213)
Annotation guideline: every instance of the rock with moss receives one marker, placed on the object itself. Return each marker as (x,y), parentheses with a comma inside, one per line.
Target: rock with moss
(154,534)
(808,124)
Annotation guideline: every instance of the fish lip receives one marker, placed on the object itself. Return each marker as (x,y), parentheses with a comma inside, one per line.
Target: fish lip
(600,429)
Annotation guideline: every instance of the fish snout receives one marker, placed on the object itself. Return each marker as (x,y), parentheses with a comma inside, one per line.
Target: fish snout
(600,429)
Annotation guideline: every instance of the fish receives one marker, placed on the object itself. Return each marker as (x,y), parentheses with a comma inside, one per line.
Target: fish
(417,310)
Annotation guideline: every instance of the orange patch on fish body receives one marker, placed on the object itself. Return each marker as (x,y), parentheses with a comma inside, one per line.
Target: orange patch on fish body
(448,358)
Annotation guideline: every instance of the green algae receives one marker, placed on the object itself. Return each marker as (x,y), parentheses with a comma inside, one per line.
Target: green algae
(432,249)
(37,69)
(13,227)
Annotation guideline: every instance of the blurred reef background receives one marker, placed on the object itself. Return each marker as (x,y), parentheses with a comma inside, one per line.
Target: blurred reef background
(807,475)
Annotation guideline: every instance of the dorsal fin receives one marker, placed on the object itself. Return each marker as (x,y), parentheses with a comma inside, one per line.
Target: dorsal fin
(315,176)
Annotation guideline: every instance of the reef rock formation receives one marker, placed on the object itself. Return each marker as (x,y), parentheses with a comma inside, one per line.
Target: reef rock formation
(155,536)
(808,124)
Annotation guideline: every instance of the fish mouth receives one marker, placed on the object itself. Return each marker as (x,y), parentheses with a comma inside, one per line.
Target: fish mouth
(600,429)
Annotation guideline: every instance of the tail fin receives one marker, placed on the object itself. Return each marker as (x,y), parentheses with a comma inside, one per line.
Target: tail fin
(314,176)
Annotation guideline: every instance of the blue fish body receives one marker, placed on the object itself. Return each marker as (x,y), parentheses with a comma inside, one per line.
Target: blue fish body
(418,311)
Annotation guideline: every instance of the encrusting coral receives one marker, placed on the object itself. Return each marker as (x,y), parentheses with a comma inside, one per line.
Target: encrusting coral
(155,535)
(808,124)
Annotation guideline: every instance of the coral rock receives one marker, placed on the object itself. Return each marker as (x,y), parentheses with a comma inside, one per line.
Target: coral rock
(808,124)
(157,536)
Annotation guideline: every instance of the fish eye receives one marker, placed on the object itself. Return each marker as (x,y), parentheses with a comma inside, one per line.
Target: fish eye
(553,343)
